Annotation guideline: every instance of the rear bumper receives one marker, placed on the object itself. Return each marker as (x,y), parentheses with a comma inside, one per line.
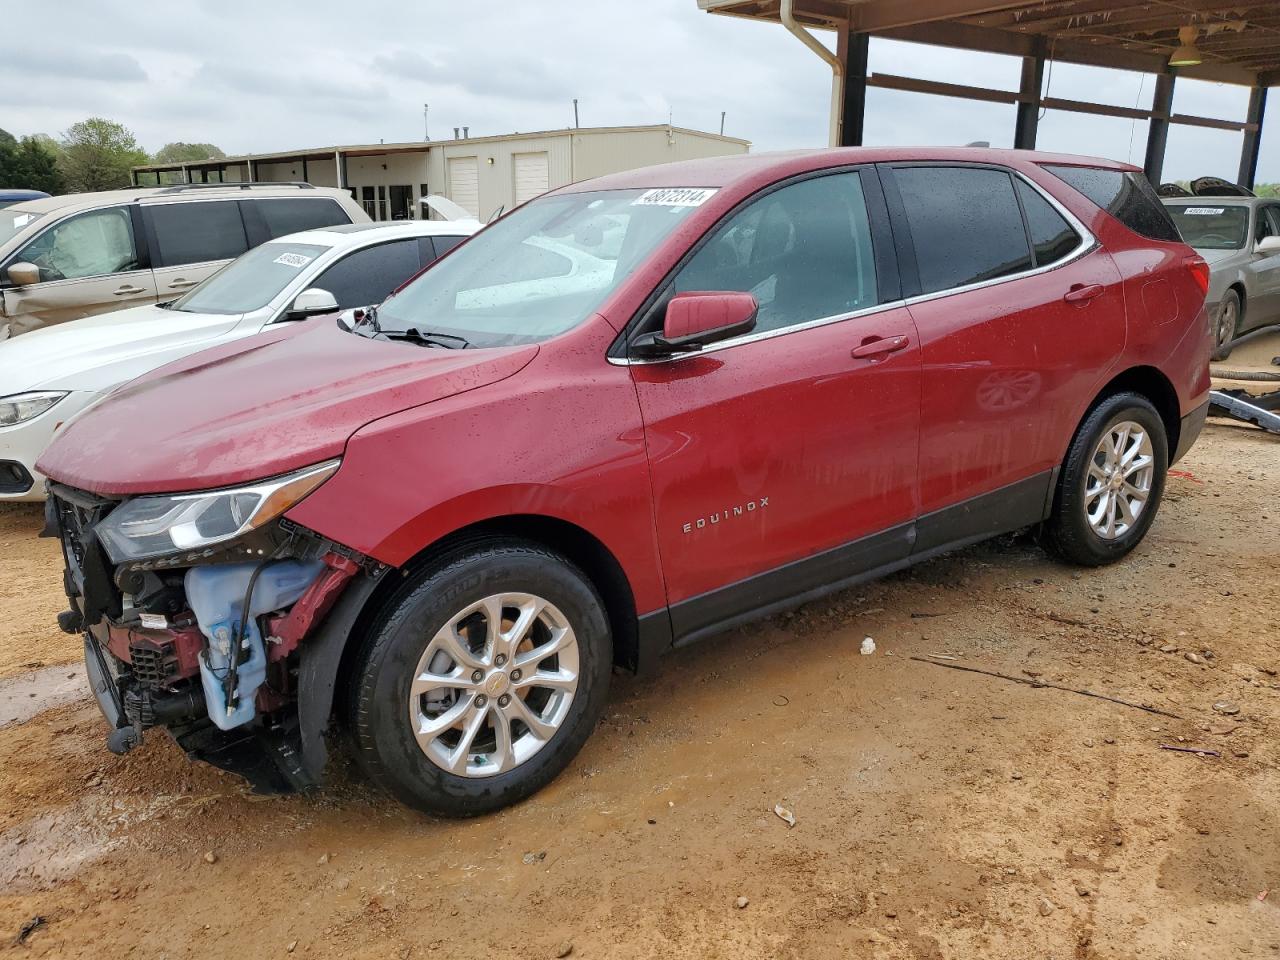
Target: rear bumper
(1192,424)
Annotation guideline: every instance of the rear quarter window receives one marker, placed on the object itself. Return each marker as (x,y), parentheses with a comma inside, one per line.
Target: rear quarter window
(287,215)
(1126,195)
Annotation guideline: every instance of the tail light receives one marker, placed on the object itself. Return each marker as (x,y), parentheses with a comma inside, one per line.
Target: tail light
(1199,271)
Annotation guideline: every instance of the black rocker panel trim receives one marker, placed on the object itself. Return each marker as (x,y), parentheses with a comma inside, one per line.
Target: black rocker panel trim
(1010,508)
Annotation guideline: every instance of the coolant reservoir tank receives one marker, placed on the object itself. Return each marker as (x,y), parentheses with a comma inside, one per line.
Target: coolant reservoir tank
(217,596)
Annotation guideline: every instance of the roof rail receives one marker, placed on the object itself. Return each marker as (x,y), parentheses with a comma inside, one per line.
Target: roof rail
(245,185)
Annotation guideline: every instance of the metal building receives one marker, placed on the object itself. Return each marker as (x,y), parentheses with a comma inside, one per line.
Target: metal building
(480,174)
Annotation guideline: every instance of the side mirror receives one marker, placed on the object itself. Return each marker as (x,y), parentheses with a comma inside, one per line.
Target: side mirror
(23,274)
(311,302)
(1267,246)
(695,320)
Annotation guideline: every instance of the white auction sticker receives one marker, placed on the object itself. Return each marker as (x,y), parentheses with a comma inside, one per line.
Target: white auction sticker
(293,260)
(674,197)
(1204,211)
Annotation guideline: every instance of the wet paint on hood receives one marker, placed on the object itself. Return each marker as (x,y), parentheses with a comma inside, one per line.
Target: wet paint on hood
(259,407)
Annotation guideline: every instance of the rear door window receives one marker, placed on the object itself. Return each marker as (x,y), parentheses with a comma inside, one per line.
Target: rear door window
(367,277)
(444,244)
(804,251)
(1126,195)
(432,248)
(284,215)
(196,231)
(1052,238)
(965,224)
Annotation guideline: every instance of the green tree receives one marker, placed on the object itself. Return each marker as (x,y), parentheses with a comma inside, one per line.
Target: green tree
(37,166)
(28,164)
(179,152)
(7,139)
(97,154)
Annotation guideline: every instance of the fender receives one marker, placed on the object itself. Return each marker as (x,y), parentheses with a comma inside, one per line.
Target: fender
(320,655)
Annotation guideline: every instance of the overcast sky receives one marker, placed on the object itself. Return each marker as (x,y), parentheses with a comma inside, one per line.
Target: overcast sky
(266,76)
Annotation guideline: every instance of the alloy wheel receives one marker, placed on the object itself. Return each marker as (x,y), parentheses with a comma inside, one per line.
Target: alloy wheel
(494,685)
(1228,315)
(1118,483)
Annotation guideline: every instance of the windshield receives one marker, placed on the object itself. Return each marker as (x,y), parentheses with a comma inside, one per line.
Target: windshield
(542,269)
(1207,227)
(13,222)
(251,281)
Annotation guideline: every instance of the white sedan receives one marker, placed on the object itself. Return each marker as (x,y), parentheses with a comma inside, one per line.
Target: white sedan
(49,375)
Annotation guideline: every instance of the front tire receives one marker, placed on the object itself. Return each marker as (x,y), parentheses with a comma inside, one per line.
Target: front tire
(1226,324)
(483,679)
(1111,482)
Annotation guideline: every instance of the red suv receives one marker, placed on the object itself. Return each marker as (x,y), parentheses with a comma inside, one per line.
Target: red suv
(629,414)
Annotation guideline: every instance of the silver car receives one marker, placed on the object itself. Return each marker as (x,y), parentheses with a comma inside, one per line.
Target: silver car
(1240,237)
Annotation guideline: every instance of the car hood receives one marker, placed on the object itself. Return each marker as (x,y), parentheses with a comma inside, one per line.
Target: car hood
(259,407)
(99,352)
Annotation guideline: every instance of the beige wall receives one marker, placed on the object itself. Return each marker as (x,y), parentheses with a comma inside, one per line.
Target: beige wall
(572,155)
(596,154)
(497,179)
(387,170)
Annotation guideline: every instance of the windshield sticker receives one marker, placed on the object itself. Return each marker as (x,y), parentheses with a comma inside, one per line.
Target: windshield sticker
(22,219)
(674,197)
(1204,211)
(295,260)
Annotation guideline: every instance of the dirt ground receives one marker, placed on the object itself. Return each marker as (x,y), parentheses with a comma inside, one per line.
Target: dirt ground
(939,813)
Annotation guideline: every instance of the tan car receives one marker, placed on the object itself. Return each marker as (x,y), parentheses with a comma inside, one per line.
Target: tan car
(62,258)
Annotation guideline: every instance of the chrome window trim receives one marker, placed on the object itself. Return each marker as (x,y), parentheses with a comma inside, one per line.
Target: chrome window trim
(1087,243)
(755,337)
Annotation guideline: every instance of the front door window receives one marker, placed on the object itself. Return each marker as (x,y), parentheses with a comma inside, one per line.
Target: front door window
(94,244)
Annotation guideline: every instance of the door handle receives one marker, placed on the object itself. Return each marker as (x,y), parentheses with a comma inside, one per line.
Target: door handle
(180,284)
(126,290)
(874,347)
(1080,293)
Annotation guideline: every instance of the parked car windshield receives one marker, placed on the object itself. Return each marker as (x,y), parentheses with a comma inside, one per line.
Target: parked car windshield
(1211,228)
(13,222)
(540,270)
(252,280)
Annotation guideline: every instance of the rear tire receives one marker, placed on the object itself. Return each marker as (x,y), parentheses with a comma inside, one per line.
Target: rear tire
(456,717)
(1111,482)
(1226,324)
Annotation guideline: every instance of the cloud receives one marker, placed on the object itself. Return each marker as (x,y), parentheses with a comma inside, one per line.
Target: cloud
(22,64)
(249,76)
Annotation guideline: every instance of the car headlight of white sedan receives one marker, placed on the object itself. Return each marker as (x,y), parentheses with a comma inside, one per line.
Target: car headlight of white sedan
(22,407)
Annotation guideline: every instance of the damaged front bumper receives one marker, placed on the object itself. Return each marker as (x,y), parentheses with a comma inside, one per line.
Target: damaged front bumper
(152,662)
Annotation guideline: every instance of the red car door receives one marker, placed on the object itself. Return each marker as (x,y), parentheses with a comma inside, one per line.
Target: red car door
(785,459)
(1020,316)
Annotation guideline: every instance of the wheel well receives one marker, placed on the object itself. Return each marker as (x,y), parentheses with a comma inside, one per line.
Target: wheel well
(1155,386)
(586,552)
(1238,287)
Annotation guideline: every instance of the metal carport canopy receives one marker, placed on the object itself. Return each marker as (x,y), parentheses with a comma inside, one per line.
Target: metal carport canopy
(1238,42)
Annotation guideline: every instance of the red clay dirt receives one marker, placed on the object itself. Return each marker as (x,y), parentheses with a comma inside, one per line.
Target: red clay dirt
(940,814)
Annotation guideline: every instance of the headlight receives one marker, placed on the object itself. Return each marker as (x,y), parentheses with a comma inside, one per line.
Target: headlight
(147,527)
(25,406)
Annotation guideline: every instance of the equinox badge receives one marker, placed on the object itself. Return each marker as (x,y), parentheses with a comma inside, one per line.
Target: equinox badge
(751,506)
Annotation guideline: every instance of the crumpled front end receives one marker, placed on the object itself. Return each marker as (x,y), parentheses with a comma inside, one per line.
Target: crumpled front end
(205,644)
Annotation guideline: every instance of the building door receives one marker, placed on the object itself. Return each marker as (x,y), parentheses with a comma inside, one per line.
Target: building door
(464,183)
(402,202)
(531,177)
